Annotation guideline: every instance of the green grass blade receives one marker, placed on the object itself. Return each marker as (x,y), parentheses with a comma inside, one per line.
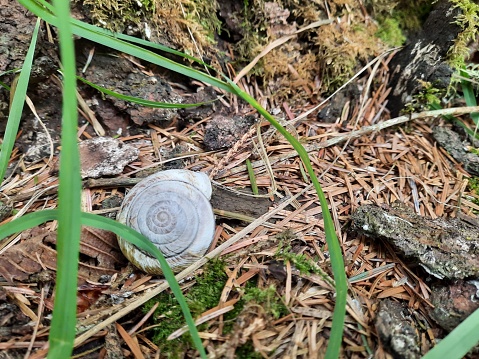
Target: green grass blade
(62,331)
(456,345)
(17,105)
(27,221)
(469,96)
(141,101)
(337,262)
(9,72)
(5,86)
(34,219)
(86,31)
(252,177)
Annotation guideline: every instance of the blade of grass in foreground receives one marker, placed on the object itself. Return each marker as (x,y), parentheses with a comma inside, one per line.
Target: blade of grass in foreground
(252,177)
(62,331)
(27,221)
(459,341)
(143,243)
(17,105)
(34,219)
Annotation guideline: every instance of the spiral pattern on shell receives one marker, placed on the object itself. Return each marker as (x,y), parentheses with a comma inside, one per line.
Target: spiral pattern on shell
(172,209)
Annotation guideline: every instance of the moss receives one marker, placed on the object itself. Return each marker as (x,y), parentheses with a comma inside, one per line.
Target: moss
(302,262)
(268,299)
(291,70)
(473,185)
(408,15)
(474,150)
(254,24)
(390,32)
(341,48)
(186,25)
(468,20)
(427,96)
(116,15)
(205,294)
(246,351)
(168,316)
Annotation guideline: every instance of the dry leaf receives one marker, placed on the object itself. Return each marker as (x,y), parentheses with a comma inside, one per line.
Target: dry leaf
(99,253)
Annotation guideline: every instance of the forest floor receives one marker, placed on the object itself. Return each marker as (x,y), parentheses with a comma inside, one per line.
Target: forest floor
(271,294)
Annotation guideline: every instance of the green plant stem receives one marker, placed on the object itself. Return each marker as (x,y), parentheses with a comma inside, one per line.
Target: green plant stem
(92,33)
(62,332)
(252,177)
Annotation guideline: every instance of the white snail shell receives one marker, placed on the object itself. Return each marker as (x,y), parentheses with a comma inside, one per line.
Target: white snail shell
(172,209)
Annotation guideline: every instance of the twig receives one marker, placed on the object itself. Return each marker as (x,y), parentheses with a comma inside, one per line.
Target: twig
(356,134)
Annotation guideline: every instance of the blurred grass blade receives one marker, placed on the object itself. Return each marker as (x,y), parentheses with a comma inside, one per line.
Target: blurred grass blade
(459,341)
(62,331)
(337,262)
(34,219)
(27,221)
(140,101)
(17,103)
(469,95)
(252,177)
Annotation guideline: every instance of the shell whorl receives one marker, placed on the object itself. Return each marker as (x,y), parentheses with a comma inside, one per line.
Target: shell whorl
(172,209)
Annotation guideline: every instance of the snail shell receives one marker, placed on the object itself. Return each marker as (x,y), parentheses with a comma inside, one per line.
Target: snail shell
(172,209)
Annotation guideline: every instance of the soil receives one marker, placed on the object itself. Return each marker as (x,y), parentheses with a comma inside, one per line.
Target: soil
(425,166)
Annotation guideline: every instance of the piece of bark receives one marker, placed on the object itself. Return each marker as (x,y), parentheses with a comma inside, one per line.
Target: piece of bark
(424,57)
(452,143)
(454,302)
(105,156)
(445,248)
(397,331)
(225,200)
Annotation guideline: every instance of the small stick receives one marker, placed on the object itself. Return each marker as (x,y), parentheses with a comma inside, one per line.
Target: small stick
(356,134)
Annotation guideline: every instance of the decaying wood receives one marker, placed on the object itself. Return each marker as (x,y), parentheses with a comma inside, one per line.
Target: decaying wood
(424,57)
(446,248)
